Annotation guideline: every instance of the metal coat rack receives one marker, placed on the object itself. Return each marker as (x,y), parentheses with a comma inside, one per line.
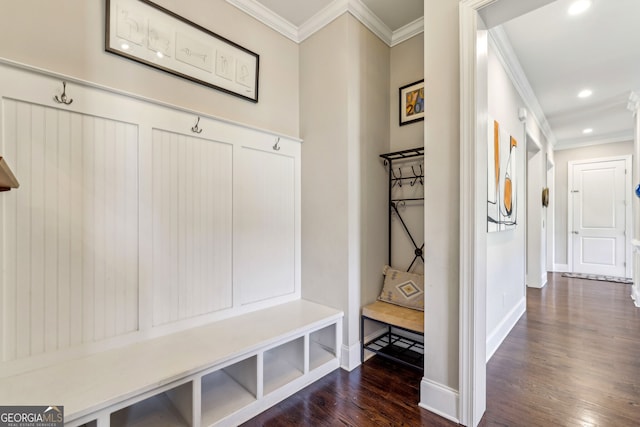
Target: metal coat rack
(411,173)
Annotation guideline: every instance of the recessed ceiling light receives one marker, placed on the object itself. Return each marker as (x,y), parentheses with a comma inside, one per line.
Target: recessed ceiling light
(587,131)
(159,55)
(585,93)
(579,6)
(124,46)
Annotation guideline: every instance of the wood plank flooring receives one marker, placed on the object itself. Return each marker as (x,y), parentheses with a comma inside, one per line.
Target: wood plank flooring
(572,360)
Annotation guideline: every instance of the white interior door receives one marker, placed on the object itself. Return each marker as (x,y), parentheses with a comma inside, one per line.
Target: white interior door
(599,217)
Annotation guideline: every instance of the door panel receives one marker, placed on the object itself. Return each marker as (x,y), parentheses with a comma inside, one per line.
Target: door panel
(599,218)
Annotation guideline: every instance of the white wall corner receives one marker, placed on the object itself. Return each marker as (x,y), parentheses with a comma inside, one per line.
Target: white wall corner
(350,357)
(440,400)
(497,336)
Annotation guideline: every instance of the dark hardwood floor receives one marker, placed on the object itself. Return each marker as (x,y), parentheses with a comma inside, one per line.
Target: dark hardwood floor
(572,360)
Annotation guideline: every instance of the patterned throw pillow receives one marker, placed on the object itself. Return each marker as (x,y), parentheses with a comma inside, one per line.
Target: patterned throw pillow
(403,289)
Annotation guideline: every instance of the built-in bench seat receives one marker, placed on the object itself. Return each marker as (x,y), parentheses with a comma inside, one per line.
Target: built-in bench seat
(401,347)
(219,374)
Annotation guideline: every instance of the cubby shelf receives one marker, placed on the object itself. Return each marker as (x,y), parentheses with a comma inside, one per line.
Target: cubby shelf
(228,390)
(221,374)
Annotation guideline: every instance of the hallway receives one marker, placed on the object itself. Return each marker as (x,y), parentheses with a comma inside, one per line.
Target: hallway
(572,360)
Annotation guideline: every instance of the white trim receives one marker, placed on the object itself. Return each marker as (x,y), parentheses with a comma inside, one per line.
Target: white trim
(509,60)
(472,337)
(267,17)
(635,289)
(350,356)
(635,295)
(561,268)
(321,19)
(569,144)
(108,89)
(633,104)
(327,15)
(497,336)
(408,31)
(439,399)
(370,20)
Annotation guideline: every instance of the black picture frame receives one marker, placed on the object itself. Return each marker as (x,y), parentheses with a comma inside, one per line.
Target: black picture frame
(411,98)
(147,33)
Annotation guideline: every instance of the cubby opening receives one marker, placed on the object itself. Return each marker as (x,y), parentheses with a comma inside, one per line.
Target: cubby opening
(228,390)
(173,408)
(93,423)
(283,364)
(322,346)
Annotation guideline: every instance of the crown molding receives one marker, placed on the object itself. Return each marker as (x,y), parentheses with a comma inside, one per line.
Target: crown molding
(322,19)
(267,17)
(405,33)
(327,15)
(568,144)
(506,55)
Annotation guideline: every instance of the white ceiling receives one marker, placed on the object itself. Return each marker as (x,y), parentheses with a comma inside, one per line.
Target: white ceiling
(563,54)
(559,54)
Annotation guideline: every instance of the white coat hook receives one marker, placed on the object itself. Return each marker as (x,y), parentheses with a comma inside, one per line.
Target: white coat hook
(276,146)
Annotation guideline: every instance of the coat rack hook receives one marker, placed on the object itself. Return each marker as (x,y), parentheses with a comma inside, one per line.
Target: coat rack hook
(196,129)
(276,146)
(63,98)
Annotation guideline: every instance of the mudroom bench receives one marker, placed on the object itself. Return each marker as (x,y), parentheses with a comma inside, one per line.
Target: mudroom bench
(223,373)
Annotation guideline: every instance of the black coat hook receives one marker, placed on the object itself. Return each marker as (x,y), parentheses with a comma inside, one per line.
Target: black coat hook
(63,97)
(196,129)
(276,146)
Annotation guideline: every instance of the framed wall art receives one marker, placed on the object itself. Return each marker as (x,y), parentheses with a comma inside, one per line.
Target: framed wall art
(412,103)
(150,34)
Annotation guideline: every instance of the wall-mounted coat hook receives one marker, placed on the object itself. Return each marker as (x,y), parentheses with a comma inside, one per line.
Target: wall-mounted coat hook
(276,146)
(195,128)
(63,98)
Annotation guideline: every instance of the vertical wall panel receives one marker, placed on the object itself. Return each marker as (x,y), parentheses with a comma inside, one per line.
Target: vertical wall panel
(69,234)
(265,225)
(192,226)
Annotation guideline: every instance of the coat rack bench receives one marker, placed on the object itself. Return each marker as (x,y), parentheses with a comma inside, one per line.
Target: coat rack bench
(401,337)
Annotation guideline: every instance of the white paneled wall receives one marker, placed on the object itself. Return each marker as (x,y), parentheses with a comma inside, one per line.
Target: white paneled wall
(70,234)
(128,224)
(265,242)
(192,226)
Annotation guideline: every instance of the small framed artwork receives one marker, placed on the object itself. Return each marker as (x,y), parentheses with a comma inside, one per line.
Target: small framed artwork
(147,33)
(412,103)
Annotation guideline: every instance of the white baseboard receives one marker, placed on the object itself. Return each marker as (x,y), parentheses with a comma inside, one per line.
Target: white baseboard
(561,268)
(635,294)
(495,338)
(350,357)
(440,400)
